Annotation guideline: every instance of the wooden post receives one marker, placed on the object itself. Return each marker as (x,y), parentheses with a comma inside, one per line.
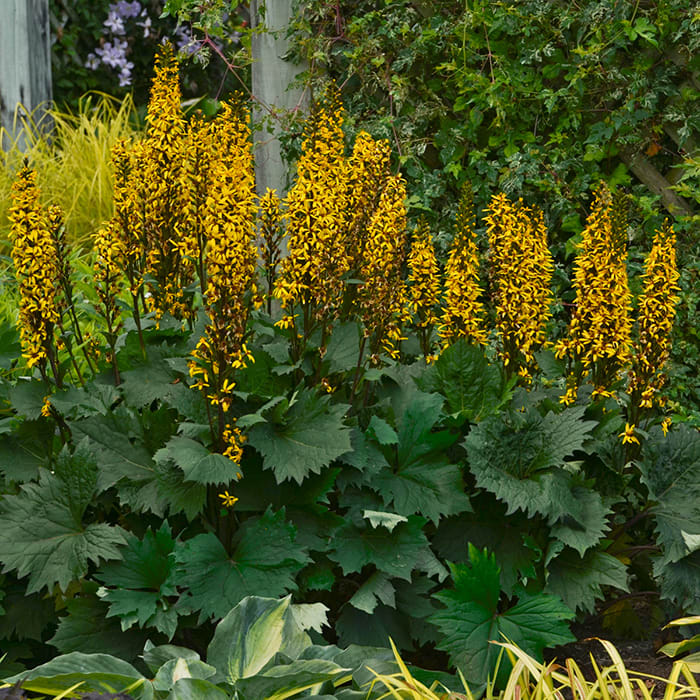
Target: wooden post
(272,76)
(25,64)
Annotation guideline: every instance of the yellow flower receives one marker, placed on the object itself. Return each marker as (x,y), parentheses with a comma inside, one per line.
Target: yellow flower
(463,312)
(521,269)
(36,270)
(381,297)
(312,274)
(657,311)
(227,499)
(666,424)
(46,407)
(628,435)
(599,333)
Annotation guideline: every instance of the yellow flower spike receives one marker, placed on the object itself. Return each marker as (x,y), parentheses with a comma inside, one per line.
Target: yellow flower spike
(521,269)
(312,274)
(36,270)
(227,500)
(657,311)
(599,335)
(381,298)
(628,435)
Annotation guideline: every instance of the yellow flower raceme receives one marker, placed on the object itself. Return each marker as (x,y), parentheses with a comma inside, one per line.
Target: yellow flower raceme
(317,221)
(271,233)
(160,165)
(34,256)
(230,258)
(108,276)
(369,170)
(423,284)
(600,330)
(463,312)
(657,311)
(521,273)
(200,152)
(381,299)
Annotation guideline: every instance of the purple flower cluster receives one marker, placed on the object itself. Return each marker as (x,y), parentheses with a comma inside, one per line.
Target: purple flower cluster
(114,50)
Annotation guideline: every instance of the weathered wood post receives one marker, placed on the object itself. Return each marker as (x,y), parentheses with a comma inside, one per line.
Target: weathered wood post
(272,76)
(25,63)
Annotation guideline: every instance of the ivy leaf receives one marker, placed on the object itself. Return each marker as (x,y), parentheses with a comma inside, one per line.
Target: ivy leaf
(471,619)
(43,536)
(310,436)
(395,553)
(264,562)
(472,386)
(197,462)
(577,580)
(137,587)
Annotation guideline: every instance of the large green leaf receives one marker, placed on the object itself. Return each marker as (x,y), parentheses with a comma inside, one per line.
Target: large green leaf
(42,534)
(509,538)
(24,450)
(472,618)
(522,444)
(577,580)
(80,402)
(343,348)
(397,552)
(420,479)
(196,689)
(679,581)
(166,492)
(265,561)
(138,586)
(670,468)
(251,634)
(96,672)
(119,455)
(521,460)
(472,386)
(308,437)
(87,629)
(197,462)
(433,489)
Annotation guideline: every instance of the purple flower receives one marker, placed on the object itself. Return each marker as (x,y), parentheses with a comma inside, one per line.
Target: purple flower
(126,9)
(114,23)
(113,53)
